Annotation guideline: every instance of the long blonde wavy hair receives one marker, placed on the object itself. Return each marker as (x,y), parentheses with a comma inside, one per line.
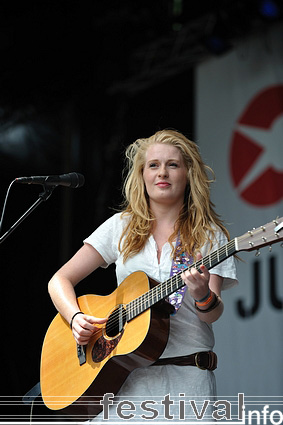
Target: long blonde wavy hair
(197,220)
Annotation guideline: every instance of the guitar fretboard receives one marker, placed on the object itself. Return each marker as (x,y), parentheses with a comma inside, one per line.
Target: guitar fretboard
(164,289)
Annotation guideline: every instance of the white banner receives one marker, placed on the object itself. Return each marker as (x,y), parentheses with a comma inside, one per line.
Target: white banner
(239,110)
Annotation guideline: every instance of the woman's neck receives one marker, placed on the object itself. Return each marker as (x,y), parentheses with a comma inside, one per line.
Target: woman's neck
(164,223)
(165,214)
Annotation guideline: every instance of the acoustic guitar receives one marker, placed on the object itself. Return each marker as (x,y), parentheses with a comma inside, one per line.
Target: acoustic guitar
(74,378)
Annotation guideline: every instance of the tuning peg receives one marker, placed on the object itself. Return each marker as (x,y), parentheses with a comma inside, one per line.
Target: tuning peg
(270,248)
(278,227)
(257,254)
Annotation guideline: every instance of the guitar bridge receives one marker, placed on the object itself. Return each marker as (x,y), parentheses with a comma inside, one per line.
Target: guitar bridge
(81,352)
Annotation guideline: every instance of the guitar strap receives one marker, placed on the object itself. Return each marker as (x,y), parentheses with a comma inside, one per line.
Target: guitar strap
(181,260)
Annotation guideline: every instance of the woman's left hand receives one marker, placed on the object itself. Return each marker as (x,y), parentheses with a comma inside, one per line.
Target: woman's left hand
(197,282)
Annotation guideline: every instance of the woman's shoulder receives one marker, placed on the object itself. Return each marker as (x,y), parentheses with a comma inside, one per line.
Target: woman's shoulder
(109,229)
(117,220)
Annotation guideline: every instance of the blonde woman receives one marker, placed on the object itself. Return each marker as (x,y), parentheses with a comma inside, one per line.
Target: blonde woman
(167,216)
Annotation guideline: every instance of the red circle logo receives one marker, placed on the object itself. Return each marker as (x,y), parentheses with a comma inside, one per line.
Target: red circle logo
(256,155)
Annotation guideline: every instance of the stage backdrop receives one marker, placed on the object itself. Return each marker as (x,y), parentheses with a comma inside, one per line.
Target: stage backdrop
(239,128)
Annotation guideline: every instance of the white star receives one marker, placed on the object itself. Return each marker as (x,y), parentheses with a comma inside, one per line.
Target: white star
(271,140)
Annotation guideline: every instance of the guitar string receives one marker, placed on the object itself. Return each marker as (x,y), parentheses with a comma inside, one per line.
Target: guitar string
(216,255)
(162,290)
(141,303)
(156,293)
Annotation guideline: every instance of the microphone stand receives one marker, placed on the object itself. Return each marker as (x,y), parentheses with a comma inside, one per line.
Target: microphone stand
(41,198)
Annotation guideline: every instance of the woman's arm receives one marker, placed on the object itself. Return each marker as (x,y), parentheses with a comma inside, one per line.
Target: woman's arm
(211,312)
(62,293)
(199,285)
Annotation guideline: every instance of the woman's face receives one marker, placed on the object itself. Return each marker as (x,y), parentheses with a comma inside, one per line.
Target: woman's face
(165,174)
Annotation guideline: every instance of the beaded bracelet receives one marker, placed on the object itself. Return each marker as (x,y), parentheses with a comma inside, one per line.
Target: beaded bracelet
(71,322)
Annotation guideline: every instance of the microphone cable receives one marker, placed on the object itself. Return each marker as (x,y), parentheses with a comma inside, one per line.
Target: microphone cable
(5,203)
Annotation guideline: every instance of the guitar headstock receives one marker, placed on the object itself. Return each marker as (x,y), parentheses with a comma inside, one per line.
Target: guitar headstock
(268,234)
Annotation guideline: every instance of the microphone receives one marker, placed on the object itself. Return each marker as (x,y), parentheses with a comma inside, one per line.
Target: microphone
(72,180)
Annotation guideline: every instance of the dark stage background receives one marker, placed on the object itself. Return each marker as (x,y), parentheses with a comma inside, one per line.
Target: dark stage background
(79,81)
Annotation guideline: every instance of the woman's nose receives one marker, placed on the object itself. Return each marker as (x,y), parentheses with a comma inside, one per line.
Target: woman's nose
(163,171)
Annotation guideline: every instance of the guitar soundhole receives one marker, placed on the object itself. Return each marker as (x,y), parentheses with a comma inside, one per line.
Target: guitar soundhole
(116,322)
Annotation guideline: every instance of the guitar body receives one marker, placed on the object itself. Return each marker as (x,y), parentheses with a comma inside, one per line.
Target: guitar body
(74,389)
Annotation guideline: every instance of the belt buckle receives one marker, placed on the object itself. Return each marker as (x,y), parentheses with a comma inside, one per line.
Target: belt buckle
(197,360)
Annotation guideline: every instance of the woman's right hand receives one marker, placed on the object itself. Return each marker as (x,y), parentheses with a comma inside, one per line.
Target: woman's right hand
(84,326)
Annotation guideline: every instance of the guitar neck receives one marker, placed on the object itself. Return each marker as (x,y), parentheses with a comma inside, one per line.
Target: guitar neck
(164,289)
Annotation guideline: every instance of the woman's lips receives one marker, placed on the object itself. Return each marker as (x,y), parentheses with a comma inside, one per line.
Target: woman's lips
(163,184)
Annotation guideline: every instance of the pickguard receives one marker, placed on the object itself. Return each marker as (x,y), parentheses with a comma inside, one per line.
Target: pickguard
(103,347)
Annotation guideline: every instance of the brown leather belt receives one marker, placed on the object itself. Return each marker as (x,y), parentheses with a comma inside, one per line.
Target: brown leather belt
(203,360)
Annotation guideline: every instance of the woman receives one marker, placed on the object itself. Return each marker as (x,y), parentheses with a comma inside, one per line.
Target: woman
(168,221)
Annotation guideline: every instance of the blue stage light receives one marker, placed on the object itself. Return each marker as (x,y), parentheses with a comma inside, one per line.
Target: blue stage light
(269,9)
(217,44)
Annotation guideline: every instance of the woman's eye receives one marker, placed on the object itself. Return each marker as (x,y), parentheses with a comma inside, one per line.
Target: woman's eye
(152,165)
(173,164)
